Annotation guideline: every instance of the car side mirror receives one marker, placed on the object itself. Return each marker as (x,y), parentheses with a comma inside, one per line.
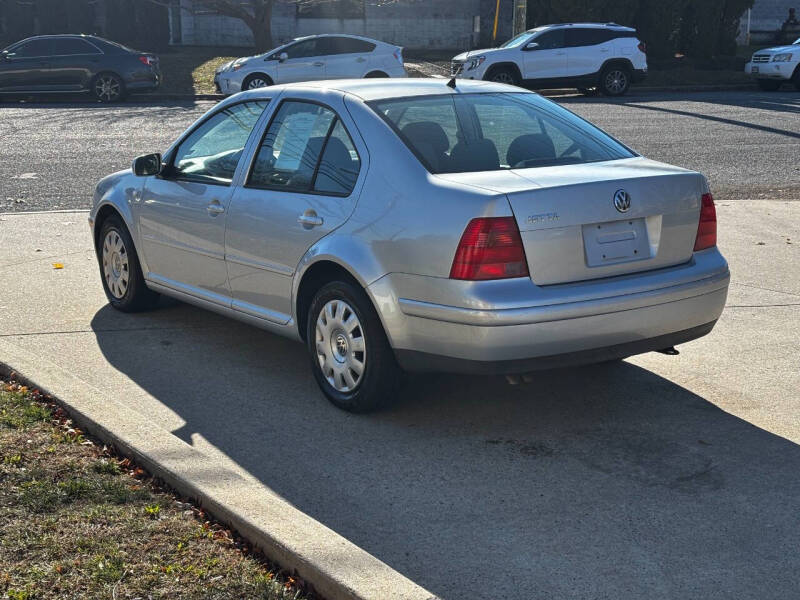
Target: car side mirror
(149,164)
(282,57)
(4,55)
(531,46)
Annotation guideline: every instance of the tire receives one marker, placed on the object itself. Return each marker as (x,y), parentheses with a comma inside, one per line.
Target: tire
(375,75)
(768,85)
(255,81)
(796,79)
(116,256)
(108,87)
(345,335)
(505,75)
(615,80)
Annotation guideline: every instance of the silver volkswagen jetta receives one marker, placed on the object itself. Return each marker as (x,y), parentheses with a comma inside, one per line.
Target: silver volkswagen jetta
(410,225)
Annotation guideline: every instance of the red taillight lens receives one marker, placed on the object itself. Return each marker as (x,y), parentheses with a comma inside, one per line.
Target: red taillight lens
(642,47)
(707,227)
(146,60)
(490,248)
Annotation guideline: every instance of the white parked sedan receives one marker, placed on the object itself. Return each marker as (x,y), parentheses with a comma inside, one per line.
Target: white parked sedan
(406,225)
(310,59)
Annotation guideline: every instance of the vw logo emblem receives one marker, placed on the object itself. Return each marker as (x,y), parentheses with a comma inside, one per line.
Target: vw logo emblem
(622,201)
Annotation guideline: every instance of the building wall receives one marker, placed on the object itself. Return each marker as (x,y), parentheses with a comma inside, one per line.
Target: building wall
(766,17)
(409,23)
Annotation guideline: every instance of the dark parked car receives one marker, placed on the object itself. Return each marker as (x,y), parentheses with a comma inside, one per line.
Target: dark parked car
(74,64)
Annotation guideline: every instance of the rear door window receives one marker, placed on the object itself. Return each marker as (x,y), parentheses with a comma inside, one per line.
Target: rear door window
(306,148)
(586,36)
(73,46)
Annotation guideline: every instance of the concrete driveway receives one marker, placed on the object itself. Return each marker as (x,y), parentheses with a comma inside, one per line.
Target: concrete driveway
(664,477)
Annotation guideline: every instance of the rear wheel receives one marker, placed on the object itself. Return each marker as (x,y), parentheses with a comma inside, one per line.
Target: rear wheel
(255,81)
(123,281)
(615,80)
(768,85)
(351,358)
(108,87)
(796,79)
(505,75)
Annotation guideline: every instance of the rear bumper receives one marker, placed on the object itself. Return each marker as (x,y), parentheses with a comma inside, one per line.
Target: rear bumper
(514,325)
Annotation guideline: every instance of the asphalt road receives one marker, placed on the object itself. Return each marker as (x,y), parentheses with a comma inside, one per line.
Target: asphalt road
(747,143)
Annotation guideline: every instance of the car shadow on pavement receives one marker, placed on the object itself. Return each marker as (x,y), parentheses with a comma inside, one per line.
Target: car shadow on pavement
(601,481)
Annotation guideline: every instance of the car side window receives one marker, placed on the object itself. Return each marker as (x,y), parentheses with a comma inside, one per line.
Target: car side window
(303,49)
(589,36)
(339,165)
(306,148)
(33,49)
(345,45)
(550,40)
(212,151)
(72,46)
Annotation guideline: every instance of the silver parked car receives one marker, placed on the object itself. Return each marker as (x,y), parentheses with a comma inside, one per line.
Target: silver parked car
(408,225)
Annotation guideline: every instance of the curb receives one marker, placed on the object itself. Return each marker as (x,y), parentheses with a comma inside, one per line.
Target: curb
(336,568)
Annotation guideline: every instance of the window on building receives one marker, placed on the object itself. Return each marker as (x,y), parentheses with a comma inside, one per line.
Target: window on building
(334,9)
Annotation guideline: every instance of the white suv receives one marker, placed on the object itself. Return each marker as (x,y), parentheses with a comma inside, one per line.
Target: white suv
(773,66)
(312,58)
(586,56)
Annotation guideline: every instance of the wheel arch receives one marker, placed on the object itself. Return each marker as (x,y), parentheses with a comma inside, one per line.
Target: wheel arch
(250,76)
(375,73)
(616,62)
(109,209)
(503,65)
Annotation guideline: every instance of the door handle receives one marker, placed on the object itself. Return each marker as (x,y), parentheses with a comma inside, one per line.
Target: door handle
(361,59)
(319,64)
(215,208)
(310,219)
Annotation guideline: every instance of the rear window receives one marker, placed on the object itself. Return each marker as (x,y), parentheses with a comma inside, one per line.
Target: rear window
(490,132)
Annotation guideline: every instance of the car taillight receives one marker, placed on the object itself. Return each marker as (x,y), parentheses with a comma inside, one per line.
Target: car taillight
(398,54)
(707,227)
(642,47)
(147,60)
(490,248)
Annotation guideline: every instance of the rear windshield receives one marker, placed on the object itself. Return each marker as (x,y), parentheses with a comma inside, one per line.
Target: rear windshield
(489,132)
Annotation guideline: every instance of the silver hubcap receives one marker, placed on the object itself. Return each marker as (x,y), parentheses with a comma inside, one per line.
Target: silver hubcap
(341,349)
(616,81)
(107,88)
(503,78)
(256,83)
(115,264)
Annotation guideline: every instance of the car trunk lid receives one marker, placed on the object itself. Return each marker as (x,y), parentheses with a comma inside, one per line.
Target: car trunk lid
(572,229)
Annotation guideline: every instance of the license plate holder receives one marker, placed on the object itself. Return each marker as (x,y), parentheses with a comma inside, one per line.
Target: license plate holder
(615,242)
(754,70)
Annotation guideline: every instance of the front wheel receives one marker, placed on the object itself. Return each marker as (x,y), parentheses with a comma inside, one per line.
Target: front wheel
(108,87)
(615,81)
(123,281)
(351,358)
(255,81)
(505,75)
(768,85)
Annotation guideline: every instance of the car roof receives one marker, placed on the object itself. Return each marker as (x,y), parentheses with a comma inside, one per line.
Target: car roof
(613,26)
(344,35)
(385,89)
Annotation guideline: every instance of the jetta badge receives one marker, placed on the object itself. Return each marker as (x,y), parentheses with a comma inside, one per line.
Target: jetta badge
(622,201)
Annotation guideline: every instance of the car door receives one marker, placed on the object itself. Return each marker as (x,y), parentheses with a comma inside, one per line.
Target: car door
(546,60)
(73,62)
(24,67)
(346,57)
(588,48)
(181,213)
(303,63)
(303,184)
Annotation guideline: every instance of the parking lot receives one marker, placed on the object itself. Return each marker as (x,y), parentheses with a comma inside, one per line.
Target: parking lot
(664,477)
